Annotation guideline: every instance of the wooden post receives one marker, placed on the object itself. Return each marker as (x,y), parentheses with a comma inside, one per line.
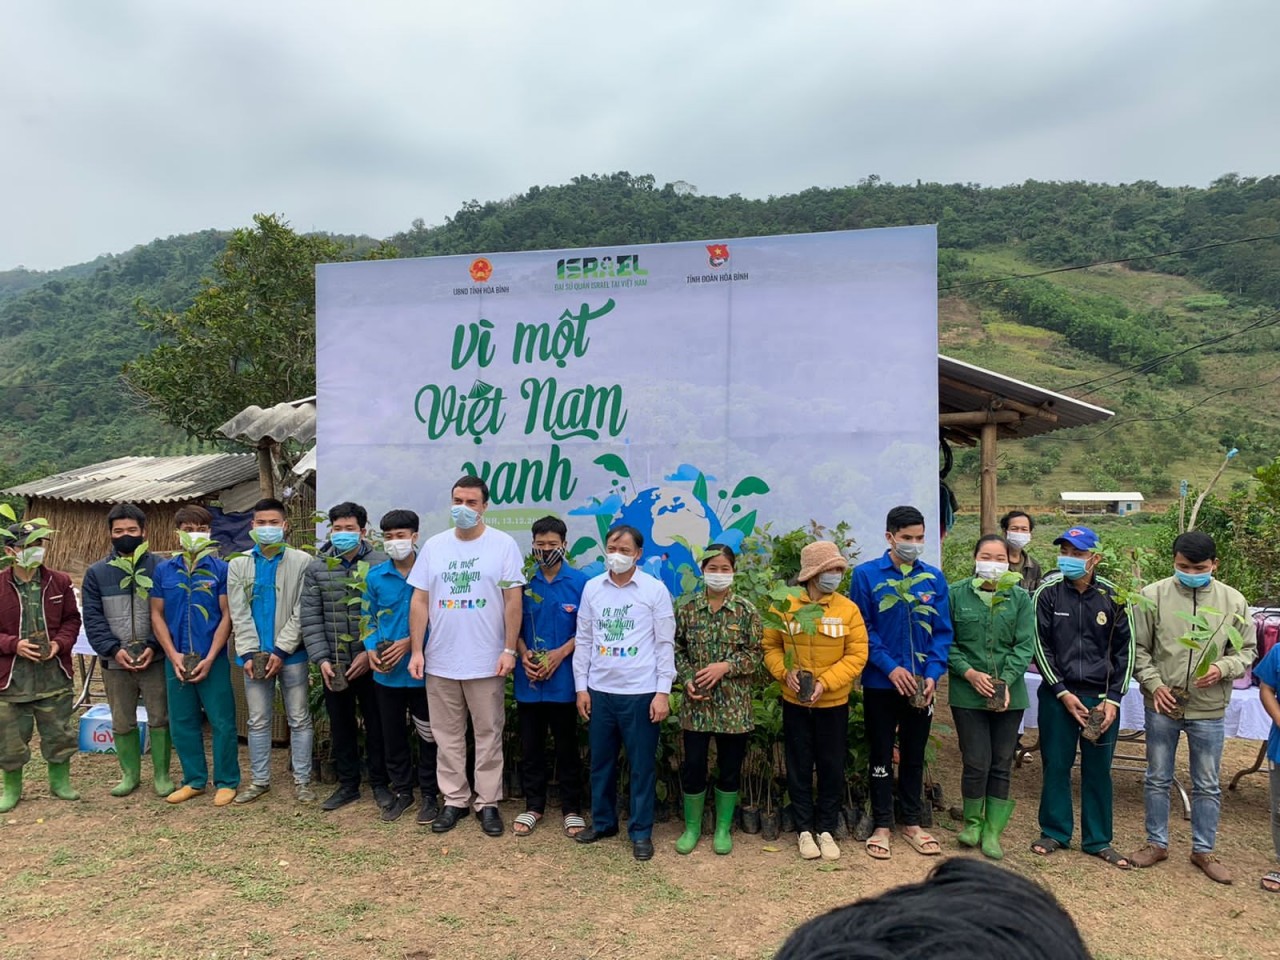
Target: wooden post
(987,447)
(266,469)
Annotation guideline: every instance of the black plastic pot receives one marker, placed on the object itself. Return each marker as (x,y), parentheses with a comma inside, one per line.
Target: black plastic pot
(806,682)
(190,663)
(260,660)
(770,825)
(750,820)
(841,831)
(917,699)
(864,827)
(338,682)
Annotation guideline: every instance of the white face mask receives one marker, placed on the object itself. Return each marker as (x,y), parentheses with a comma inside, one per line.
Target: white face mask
(829,582)
(908,550)
(198,538)
(718,581)
(397,549)
(30,557)
(990,569)
(1018,540)
(619,562)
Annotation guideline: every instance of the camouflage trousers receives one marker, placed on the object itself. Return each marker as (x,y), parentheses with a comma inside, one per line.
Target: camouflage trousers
(51,715)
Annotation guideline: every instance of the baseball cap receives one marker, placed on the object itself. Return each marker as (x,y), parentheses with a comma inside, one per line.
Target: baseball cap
(1082,538)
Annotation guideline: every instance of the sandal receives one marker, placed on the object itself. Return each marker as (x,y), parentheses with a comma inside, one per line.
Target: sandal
(1045,846)
(920,842)
(1114,857)
(878,849)
(573,824)
(1271,882)
(528,820)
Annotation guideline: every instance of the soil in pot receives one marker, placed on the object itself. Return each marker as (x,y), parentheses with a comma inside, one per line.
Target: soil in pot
(338,682)
(751,820)
(917,699)
(1093,726)
(260,661)
(1183,696)
(841,831)
(190,663)
(806,681)
(134,649)
(864,827)
(380,649)
(1000,690)
(43,646)
(771,825)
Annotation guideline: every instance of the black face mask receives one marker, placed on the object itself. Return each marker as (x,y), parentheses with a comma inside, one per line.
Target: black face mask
(127,544)
(549,558)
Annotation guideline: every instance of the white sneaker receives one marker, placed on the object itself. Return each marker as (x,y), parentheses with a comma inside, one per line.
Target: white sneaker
(808,849)
(828,847)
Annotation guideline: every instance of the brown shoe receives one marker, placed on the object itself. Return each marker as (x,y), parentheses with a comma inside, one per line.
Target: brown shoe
(1149,856)
(1212,867)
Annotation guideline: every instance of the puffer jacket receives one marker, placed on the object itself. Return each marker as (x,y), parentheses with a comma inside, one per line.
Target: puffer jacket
(835,653)
(1160,659)
(61,619)
(329,622)
(113,614)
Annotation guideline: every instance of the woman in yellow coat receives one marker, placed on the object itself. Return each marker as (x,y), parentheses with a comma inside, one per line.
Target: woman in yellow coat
(816,679)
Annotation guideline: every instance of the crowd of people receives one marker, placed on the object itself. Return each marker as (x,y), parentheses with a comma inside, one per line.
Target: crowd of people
(414,641)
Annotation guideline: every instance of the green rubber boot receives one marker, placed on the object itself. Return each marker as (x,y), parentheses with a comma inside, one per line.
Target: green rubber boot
(974,815)
(12,790)
(693,804)
(60,781)
(129,753)
(998,814)
(161,758)
(725,804)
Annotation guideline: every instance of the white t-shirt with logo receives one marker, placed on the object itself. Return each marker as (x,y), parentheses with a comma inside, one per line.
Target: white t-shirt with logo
(467,613)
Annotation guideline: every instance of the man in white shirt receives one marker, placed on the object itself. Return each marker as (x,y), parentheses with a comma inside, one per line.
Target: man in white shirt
(623,667)
(467,583)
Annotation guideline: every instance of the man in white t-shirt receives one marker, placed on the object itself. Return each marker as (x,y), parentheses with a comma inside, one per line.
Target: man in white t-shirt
(623,666)
(467,584)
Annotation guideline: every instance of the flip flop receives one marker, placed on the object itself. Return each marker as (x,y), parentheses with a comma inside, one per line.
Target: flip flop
(528,820)
(1272,878)
(1114,857)
(920,840)
(1045,846)
(878,849)
(573,825)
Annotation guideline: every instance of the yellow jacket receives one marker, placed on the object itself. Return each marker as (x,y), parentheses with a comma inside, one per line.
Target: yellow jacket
(835,654)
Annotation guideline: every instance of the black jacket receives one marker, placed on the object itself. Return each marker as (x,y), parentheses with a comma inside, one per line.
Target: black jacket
(1084,643)
(326,616)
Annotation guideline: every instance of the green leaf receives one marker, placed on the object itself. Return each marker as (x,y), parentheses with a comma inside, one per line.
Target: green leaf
(700,487)
(748,486)
(614,464)
(746,523)
(887,601)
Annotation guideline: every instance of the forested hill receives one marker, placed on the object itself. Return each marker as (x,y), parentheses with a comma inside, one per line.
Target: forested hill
(65,334)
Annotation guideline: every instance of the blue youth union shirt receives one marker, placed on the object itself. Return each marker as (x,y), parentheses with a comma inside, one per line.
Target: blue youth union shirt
(182,592)
(550,621)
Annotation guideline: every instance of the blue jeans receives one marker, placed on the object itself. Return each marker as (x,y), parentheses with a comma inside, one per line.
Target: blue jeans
(622,720)
(259,697)
(1204,741)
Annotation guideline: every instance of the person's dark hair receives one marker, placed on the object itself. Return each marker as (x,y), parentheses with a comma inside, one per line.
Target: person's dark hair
(192,513)
(545,525)
(1012,515)
(636,536)
(348,509)
(399,520)
(900,517)
(126,511)
(270,503)
(964,910)
(990,538)
(720,550)
(472,483)
(1195,546)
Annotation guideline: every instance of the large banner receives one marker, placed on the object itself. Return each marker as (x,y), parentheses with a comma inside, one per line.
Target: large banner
(693,390)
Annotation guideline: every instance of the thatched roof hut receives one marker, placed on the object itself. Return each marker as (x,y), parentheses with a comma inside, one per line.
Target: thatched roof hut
(75,502)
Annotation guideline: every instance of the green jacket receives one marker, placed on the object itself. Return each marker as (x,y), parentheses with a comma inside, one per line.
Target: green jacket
(999,640)
(1160,660)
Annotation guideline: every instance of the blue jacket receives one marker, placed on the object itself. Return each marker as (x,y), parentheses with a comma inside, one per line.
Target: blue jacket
(891,633)
(180,592)
(550,621)
(386,603)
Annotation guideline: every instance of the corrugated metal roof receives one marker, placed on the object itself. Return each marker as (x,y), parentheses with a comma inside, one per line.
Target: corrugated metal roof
(954,376)
(307,465)
(293,420)
(1099,497)
(145,479)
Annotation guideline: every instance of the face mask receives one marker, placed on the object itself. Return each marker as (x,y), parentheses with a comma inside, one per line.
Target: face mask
(344,541)
(198,538)
(30,557)
(910,552)
(127,544)
(397,549)
(718,582)
(1018,540)
(990,569)
(829,582)
(549,558)
(267,536)
(619,562)
(1193,580)
(1073,568)
(464,518)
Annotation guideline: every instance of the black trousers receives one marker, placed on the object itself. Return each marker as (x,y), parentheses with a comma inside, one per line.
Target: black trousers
(815,738)
(988,740)
(395,704)
(346,711)
(889,717)
(561,719)
(731,749)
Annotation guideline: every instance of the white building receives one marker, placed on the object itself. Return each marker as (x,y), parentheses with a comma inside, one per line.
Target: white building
(1122,504)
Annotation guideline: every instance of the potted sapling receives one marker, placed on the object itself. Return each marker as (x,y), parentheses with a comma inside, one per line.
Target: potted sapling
(790,621)
(138,584)
(353,596)
(193,551)
(919,614)
(25,543)
(1204,647)
(998,701)
(1122,598)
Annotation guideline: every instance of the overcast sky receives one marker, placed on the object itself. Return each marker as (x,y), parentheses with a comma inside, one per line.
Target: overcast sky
(123,121)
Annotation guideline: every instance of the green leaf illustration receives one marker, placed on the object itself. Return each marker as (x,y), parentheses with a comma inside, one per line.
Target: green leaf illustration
(700,487)
(748,486)
(614,464)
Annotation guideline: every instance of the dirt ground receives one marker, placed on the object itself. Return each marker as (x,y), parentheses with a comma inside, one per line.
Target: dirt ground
(135,878)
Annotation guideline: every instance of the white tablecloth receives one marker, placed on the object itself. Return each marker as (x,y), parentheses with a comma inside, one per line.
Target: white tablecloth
(1245,718)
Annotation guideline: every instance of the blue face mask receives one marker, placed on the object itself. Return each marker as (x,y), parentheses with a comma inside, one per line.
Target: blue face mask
(464,518)
(344,541)
(1193,581)
(267,536)
(1073,568)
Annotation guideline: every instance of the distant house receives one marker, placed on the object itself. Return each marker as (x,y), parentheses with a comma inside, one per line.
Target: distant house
(1122,504)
